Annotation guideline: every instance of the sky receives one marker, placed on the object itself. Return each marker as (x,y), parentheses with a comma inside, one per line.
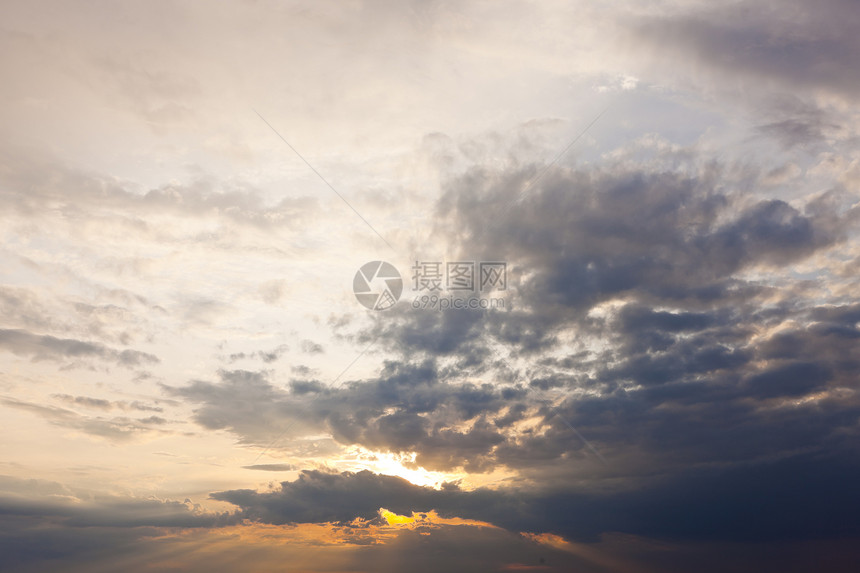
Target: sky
(430,286)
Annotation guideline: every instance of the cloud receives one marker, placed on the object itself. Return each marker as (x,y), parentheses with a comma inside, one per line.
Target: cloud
(767,42)
(807,497)
(684,302)
(79,194)
(117,428)
(624,231)
(777,67)
(46,347)
(267,356)
(247,404)
(655,313)
(311,347)
(102,404)
(271,467)
(82,508)
(32,545)
(48,526)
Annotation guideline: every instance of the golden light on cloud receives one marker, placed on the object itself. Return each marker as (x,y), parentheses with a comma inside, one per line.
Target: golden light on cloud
(427,519)
(393,519)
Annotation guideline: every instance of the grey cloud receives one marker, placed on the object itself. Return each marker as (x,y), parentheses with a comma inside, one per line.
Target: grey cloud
(76,193)
(102,404)
(407,407)
(47,526)
(702,383)
(267,356)
(595,233)
(86,401)
(436,333)
(24,308)
(785,42)
(271,467)
(300,387)
(46,347)
(78,508)
(136,405)
(311,347)
(784,66)
(590,235)
(797,131)
(301,370)
(120,317)
(681,365)
(117,428)
(793,379)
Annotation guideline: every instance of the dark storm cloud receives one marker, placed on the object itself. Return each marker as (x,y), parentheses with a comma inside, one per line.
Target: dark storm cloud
(583,237)
(698,399)
(650,238)
(711,394)
(680,376)
(691,366)
(317,496)
(801,498)
(46,347)
(45,524)
(596,233)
